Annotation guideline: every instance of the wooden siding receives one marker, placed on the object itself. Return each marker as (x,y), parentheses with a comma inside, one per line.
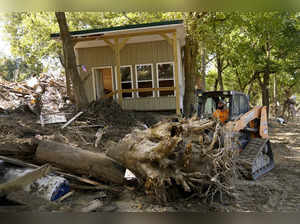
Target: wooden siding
(131,54)
(149,103)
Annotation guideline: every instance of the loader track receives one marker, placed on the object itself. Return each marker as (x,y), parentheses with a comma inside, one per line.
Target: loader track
(258,156)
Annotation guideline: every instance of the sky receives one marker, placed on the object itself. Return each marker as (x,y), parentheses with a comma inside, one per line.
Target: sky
(4,44)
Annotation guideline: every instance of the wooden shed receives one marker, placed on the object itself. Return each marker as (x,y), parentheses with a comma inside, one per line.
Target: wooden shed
(139,65)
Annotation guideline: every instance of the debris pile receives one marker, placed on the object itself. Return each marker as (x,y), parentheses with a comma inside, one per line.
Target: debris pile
(179,156)
(93,148)
(43,94)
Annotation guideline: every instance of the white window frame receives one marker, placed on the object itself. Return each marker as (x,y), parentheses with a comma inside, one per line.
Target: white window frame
(163,63)
(137,81)
(131,75)
(94,78)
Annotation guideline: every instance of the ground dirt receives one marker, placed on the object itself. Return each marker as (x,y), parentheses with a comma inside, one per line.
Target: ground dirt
(278,190)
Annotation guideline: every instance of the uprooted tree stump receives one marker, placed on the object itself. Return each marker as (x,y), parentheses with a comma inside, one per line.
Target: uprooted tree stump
(185,156)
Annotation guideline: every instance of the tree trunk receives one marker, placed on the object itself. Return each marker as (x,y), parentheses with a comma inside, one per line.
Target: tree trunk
(190,67)
(265,90)
(70,61)
(216,84)
(220,71)
(203,68)
(68,79)
(97,165)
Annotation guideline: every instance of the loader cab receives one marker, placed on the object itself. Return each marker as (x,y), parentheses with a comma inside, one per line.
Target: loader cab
(236,102)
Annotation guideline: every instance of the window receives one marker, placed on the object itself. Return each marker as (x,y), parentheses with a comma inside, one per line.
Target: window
(210,106)
(243,104)
(165,78)
(144,79)
(126,81)
(236,105)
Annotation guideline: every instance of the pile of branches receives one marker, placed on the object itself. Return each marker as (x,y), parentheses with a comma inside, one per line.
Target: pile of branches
(176,158)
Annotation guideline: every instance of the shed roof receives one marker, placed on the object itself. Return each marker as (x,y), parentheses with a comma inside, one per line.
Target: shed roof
(93,32)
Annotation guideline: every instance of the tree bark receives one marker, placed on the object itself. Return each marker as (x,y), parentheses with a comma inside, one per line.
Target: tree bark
(190,67)
(96,165)
(265,90)
(21,151)
(70,61)
(220,71)
(203,68)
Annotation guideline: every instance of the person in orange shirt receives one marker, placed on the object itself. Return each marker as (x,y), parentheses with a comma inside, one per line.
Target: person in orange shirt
(222,114)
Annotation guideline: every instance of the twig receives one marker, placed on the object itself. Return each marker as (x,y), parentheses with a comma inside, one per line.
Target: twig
(71,120)
(69,194)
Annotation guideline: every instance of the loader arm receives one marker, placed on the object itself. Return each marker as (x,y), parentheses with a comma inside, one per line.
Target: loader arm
(258,112)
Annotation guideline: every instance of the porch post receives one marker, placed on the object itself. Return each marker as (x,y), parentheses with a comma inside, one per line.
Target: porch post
(176,73)
(118,62)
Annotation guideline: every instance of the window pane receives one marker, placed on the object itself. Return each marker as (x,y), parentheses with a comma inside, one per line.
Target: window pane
(236,105)
(125,73)
(126,86)
(166,83)
(144,72)
(145,85)
(165,71)
(210,106)
(243,104)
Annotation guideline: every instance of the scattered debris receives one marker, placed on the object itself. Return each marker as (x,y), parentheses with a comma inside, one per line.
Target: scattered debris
(20,182)
(92,206)
(280,120)
(129,175)
(50,187)
(99,135)
(67,195)
(71,120)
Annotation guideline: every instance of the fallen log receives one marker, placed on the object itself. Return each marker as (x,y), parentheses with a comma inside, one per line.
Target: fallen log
(96,165)
(56,171)
(17,150)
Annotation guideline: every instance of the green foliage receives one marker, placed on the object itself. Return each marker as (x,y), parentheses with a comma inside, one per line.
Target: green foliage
(29,32)
(239,43)
(14,69)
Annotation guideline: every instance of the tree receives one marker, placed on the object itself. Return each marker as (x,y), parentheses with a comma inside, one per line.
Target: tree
(70,61)
(14,69)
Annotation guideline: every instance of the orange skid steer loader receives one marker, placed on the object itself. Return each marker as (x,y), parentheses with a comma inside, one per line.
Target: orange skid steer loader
(248,128)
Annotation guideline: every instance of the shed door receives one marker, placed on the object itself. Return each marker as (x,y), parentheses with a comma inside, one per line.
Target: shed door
(104,82)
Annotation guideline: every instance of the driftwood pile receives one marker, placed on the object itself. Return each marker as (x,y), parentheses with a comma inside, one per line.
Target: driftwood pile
(174,158)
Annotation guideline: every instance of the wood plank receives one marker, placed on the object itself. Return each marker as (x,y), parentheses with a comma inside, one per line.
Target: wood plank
(108,37)
(148,89)
(71,120)
(176,73)
(167,38)
(109,43)
(123,43)
(118,64)
(138,90)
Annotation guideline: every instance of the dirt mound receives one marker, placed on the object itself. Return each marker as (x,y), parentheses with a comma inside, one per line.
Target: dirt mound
(108,112)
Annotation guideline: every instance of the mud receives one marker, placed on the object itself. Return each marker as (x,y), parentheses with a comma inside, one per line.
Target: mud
(278,190)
